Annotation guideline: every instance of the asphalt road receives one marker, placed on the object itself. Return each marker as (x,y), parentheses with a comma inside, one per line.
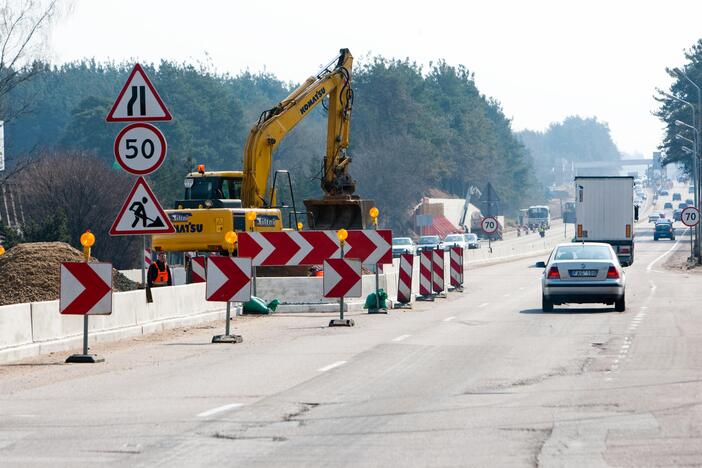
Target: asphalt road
(482,378)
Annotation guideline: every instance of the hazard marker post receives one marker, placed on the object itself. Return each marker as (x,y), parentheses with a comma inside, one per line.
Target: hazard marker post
(374,212)
(251,218)
(438,283)
(425,276)
(341,234)
(86,289)
(456,268)
(228,279)
(404,281)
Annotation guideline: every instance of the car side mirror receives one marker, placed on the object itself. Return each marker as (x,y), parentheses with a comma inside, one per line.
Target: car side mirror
(540,265)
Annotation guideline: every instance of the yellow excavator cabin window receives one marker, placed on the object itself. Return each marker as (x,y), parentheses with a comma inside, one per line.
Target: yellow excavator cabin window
(214,188)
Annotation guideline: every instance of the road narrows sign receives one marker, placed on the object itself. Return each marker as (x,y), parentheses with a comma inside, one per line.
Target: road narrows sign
(141,213)
(140,148)
(228,279)
(138,101)
(690,216)
(86,288)
(342,278)
(489,225)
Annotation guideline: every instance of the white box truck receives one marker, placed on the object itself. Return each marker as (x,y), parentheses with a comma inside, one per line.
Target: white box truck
(604,212)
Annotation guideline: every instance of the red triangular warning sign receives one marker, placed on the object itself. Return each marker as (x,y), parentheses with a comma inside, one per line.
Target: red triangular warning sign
(141,214)
(138,101)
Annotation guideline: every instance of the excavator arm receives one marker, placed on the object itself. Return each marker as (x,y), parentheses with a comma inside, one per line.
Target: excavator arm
(274,125)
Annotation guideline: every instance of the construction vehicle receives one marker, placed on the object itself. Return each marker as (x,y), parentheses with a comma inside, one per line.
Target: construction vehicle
(217,202)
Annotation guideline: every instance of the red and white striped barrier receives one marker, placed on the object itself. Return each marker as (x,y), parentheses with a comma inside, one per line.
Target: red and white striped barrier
(425,272)
(147,258)
(404,279)
(438,270)
(456,262)
(198,270)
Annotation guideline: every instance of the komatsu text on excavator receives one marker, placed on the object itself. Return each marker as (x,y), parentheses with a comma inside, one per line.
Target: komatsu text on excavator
(217,202)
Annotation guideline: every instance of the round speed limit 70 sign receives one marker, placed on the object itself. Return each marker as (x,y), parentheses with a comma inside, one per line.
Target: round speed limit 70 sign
(489,225)
(690,216)
(140,148)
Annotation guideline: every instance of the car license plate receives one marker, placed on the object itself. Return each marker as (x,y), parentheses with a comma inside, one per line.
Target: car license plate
(583,273)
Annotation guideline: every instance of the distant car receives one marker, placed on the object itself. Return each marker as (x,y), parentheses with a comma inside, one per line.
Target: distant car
(668,206)
(454,240)
(691,189)
(663,193)
(472,240)
(682,206)
(587,272)
(677,215)
(664,230)
(653,217)
(677,196)
(428,243)
(689,202)
(403,245)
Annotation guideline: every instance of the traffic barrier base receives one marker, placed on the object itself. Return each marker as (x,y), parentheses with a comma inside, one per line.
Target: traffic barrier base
(227,339)
(341,323)
(84,358)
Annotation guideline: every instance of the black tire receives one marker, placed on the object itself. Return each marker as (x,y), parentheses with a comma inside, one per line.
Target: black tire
(546,305)
(672,238)
(620,304)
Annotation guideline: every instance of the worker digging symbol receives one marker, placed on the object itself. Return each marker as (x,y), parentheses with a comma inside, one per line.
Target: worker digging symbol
(138,207)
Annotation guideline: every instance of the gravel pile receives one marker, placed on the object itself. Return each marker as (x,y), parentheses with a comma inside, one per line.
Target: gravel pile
(30,272)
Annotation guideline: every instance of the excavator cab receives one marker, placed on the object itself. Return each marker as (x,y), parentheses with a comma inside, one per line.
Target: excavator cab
(341,211)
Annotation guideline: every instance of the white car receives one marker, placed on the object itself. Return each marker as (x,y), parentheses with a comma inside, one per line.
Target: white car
(587,272)
(453,240)
(403,245)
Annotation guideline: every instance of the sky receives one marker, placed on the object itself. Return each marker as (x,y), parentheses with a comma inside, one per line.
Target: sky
(542,60)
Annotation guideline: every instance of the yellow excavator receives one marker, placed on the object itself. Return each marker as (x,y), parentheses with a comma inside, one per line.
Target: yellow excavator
(218,201)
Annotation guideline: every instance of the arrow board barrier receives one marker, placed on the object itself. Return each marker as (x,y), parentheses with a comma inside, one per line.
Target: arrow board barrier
(138,100)
(228,279)
(86,288)
(438,271)
(342,278)
(456,264)
(198,273)
(141,214)
(289,248)
(404,279)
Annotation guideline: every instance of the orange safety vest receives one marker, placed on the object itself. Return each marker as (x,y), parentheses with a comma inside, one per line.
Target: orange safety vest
(161,276)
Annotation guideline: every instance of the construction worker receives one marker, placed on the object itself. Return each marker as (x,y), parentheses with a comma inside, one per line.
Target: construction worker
(159,272)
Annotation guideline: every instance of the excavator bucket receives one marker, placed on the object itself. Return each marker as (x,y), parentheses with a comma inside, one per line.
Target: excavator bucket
(332,213)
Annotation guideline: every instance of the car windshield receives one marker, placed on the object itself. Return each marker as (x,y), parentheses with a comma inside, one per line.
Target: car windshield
(454,238)
(583,252)
(401,241)
(429,240)
(538,212)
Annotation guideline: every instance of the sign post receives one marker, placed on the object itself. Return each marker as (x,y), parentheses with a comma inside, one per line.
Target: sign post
(86,289)
(489,226)
(377,310)
(342,277)
(690,217)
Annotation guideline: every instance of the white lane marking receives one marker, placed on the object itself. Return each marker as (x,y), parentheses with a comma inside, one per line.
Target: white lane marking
(644,307)
(401,337)
(506,295)
(332,366)
(483,304)
(625,346)
(448,319)
(219,409)
(657,259)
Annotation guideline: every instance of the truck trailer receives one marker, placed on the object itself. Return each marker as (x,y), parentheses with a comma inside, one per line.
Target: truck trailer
(604,212)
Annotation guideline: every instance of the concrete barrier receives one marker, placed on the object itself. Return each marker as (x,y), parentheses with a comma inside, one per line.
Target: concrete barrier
(15,325)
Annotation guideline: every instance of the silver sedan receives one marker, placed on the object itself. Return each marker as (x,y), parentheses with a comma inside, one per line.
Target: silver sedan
(583,273)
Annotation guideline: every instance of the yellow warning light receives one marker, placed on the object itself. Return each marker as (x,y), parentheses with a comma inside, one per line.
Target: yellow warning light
(251,216)
(374,212)
(342,234)
(87,239)
(299,226)
(2,250)
(230,237)
(201,168)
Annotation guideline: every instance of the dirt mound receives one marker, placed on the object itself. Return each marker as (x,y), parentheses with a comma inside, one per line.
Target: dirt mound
(30,272)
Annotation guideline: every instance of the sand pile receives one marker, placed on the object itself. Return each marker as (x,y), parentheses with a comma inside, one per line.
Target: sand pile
(30,272)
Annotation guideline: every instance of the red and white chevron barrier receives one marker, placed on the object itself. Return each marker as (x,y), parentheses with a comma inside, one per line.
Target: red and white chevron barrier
(438,270)
(425,272)
(456,263)
(342,278)
(287,248)
(147,258)
(198,273)
(404,281)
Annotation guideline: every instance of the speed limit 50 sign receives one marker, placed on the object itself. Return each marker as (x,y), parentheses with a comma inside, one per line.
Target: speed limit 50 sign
(140,148)
(690,216)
